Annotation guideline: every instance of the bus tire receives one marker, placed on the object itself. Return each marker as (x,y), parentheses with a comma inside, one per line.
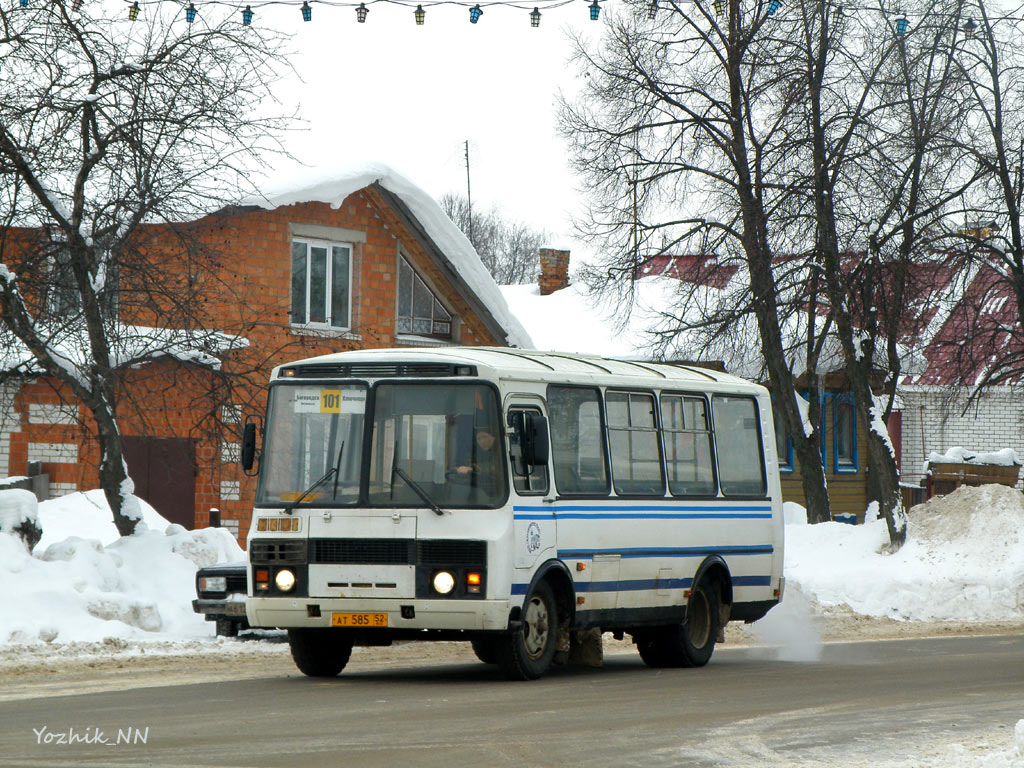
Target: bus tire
(320,652)
(527,652)
(486,649)
(690,643)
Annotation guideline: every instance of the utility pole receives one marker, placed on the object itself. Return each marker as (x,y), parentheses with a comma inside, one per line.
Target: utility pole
(469,197)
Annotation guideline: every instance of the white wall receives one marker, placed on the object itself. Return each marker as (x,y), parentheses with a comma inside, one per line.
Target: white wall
(10,422)
(934,421)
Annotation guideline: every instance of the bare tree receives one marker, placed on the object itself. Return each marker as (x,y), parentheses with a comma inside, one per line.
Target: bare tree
(507,248)
(112,133)
(681,137)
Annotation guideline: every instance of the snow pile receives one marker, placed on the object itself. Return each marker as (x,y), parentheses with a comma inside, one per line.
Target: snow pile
(83,583)
(1007,457)
(963,560)
(17,506)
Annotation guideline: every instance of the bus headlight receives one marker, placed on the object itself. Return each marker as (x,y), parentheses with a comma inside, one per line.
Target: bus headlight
(285,580)
(444,582)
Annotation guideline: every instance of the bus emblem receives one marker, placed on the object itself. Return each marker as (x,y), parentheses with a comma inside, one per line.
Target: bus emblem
(532,538)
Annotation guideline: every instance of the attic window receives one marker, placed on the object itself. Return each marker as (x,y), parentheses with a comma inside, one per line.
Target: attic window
(419,311)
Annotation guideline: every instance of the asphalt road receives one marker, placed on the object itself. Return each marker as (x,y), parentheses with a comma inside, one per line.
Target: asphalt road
(861,704)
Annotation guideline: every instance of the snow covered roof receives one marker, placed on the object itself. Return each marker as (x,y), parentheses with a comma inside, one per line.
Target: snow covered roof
(129,345)
(332,185)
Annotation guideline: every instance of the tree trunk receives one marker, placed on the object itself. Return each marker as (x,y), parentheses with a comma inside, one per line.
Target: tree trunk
(117,486)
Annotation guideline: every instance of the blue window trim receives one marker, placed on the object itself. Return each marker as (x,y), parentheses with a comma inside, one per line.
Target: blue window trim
(786,464)
(854,465)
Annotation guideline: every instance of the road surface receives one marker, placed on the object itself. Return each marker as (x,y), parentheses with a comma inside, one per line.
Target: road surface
(897,703)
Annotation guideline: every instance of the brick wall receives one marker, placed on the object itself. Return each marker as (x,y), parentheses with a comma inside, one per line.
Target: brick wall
(934,421)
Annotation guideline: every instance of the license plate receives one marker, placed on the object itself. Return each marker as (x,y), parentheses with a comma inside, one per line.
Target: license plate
(235,609)
(359,619)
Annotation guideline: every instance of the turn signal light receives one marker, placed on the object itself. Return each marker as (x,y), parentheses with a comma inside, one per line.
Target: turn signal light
(473,582)
(263,580)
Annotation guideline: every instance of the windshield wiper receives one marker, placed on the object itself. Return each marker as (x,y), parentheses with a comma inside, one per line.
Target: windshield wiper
(327,476)
(419,491)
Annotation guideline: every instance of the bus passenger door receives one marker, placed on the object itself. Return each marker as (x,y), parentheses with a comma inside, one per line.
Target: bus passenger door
(533,512)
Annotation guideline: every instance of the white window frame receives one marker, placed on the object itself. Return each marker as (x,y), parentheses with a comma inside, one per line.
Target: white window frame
(411,334)
(326,325)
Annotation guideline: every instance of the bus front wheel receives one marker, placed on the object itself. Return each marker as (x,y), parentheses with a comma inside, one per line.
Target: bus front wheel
(527,652)
(320,652)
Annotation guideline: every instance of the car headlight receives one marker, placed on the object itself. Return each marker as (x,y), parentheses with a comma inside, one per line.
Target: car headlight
(213,584)
(285,580)
(444,582)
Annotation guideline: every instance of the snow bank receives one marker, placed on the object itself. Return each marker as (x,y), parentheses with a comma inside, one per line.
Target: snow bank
(83,583)
(963,560)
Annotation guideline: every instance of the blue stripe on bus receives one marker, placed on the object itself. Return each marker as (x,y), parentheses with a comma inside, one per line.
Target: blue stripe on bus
(663,512)
(577,554)
(635,585)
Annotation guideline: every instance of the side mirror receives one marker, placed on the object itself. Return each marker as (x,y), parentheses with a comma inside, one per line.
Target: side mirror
(248,445)
(535,439)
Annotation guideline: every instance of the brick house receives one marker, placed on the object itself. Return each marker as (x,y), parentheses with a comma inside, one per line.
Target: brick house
(360,259)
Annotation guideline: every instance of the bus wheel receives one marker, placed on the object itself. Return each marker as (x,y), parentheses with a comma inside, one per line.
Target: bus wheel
(320,652)
(527,653)
(486,649)
(689,644)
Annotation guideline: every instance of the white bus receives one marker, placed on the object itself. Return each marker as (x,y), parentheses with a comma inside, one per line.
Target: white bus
(510,498)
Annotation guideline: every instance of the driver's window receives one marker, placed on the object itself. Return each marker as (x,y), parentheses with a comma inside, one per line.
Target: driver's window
(527,479)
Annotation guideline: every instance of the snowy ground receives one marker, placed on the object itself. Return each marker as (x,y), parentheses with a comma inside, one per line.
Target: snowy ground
(85,596)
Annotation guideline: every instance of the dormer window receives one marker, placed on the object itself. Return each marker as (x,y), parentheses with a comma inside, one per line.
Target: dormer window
(419,311)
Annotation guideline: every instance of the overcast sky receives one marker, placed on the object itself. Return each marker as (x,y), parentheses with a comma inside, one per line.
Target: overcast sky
(410,96)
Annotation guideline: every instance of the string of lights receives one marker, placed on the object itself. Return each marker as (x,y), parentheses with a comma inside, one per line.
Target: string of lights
(476,9)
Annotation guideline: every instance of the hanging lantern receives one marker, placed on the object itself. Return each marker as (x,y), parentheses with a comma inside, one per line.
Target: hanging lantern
(307,12)
(247,16)
(595,11)
(420,15)
(535,17)
(361,12)
(773,6)
(901,25)
(652,9)
(720,6)
(475,13)
(190,13)
(970,28)
(133,12)
(24,3)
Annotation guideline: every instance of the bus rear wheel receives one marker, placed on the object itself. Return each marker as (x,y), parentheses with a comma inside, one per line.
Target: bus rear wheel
(690,643)
(527,652)
(320,652)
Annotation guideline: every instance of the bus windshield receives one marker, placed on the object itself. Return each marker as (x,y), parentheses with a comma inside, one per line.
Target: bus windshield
(445,438)
(436,442)
(314,432)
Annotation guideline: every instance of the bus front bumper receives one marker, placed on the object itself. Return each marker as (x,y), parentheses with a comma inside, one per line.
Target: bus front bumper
(294,612)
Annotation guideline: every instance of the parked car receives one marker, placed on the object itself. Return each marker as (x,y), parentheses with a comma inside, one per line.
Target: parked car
(220,591)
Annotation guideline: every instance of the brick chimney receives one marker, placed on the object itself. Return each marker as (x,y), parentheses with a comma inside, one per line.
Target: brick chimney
(554,270)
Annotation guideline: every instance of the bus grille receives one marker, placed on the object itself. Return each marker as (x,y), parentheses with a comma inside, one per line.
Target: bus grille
(397,552)
(287,551)
(236,583)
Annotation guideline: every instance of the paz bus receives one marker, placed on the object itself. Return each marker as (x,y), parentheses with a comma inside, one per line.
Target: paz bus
(510,498)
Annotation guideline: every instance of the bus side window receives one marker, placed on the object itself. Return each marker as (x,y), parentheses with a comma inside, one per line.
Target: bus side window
(633,440)
(684,423)
(577,441)
(738,445)
(527,478)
